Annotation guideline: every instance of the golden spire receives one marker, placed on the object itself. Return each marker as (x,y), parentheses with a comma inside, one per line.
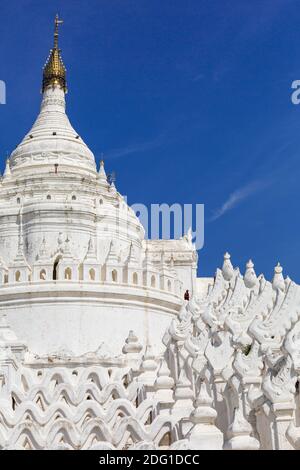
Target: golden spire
(54,73)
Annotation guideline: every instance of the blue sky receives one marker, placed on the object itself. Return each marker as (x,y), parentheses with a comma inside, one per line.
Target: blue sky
(189,102)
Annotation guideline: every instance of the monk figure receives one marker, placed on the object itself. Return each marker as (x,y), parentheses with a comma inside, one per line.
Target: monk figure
(187,295)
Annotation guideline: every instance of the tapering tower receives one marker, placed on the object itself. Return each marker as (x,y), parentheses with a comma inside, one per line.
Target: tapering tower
(52,143)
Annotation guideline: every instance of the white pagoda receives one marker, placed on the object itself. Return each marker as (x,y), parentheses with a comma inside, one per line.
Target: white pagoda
(76,269)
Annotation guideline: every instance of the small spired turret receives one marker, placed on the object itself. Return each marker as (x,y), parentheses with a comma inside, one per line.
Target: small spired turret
(150,272)
(102,177)
(19,269)
(113,189)
(3,272)
(133,269)
(163,385)
(167,282)
(7,172)
(68,265)
(227,268)
(91,266)
(112,269)
(148,368)
(132,345)
(278,279)
(250,277)
(43,265)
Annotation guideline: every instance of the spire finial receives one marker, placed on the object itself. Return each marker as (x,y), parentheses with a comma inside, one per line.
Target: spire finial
(57,22)
(278,268)
(227,268)
(102,175)
(54,70)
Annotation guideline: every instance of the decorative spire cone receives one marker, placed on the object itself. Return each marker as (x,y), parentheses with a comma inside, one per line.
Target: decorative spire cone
(163,385)
(132,344)
(148,366)
(91,249)
(112,257)
(43,251)
(172,266)
(239,432)
(91,255)
(132,258)
(7,171)
(132,351)
(149,363)
(183,389)
(113,188)
(67,255)
(147,260)
(20,259)
(278,279)
(227,268)
(164,380)
(204,435)
(102,177)
(250,277)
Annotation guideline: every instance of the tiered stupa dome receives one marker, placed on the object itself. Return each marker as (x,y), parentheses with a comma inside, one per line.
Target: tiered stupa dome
(52,139)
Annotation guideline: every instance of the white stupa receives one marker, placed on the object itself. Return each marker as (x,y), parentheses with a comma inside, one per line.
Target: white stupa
(76,268)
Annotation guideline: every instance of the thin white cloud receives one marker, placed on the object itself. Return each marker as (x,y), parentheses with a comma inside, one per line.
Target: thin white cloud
(168,135)
(198,77)
(238,196)
(137,147)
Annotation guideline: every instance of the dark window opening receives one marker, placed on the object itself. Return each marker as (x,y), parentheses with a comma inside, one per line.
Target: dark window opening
(55,269)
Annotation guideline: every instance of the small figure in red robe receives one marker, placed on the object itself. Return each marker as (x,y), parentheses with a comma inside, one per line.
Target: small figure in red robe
(187,295)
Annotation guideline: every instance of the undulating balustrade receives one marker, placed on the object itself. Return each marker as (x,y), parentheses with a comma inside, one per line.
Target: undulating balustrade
(228,379)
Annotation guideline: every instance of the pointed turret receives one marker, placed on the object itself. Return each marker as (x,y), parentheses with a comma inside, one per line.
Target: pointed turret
(278,280)
(102,177)
(43,266)
(147,263)
(148,368)
(164,379)
(132,344)
(43,251)
(172,266)
(112,257)
(67,255)
(7,171)
(204,434)
(20,257)
(91,266)
(250,277)
(19,269)
(112,268)
(91,255)
(227,268)
(112,188)
(132,258)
